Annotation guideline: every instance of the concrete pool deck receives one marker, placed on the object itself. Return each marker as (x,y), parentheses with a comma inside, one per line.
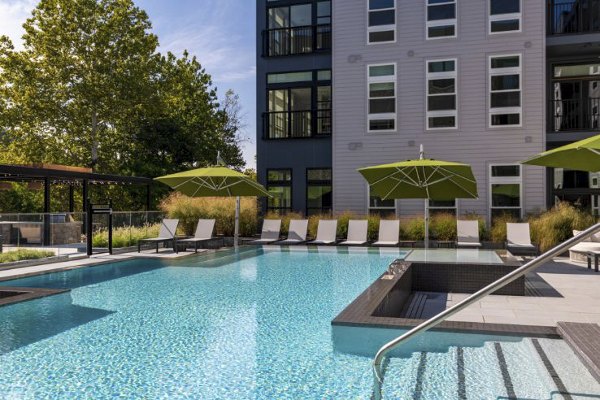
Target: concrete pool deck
(21,272)
(571,294)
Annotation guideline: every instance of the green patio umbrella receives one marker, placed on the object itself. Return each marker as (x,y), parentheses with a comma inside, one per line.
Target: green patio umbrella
(215,181)
(581,156)
(421,179)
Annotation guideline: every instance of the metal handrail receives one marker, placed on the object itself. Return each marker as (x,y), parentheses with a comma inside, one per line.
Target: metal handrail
(500,283)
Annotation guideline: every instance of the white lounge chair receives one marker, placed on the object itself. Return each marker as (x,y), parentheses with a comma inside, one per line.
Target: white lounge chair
(326,233)
(296,232)
(389,232)
(166,234)
(518,239)
(467,234)
(270,232)
(579,252)
(357,233)
(204,233)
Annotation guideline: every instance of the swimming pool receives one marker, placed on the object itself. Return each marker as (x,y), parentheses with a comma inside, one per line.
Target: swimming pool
(255,326)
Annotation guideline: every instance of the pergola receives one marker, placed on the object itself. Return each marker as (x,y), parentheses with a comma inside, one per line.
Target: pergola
(49,175)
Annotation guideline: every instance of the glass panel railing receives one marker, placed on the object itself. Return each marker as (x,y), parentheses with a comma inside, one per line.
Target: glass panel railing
(42,235)
(128,229)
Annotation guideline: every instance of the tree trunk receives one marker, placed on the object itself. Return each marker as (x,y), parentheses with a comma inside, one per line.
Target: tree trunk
(94,140)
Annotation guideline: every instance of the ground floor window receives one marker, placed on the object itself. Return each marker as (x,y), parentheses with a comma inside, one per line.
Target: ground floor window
(279,185)
(378,206)
(442,207)
(582,189)
(506,190)
(319,191)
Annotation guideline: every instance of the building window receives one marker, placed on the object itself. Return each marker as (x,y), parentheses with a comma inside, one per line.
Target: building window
(505,190)
(295,30)
(382,21)
(382,97)
(505,16)
(279,185)
(441,19)
(441,94)
(299,105)
(378,206)
(319,191)
(442,207)
(505,90)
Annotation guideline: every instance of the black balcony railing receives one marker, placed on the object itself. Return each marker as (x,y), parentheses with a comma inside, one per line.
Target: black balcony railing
(296,40)
(297,124)
(575,115)
(573,16)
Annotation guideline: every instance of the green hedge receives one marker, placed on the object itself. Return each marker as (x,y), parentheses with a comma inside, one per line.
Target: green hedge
(24,254)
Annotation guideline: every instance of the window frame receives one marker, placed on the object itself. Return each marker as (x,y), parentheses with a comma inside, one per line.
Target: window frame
(382,28)
(505,180)
(383,116)
(371,210)
(281,184)
(505,110)
(444,113)
(504,17)
(441,22)
(315,111)
(310,183)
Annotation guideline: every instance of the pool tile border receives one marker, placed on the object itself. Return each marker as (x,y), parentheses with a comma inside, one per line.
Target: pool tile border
(27,294)
(360,313)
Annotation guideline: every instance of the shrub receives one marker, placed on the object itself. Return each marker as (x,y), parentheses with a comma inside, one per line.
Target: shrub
(414,229)
(498,231)
(557,224)
(125,236)
(442,227)
(24,254)
(190,209)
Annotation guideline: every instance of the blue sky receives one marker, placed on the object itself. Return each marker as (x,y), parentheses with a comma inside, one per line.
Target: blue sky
(221,33)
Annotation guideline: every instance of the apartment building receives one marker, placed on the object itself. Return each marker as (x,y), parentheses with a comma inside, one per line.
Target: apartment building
(485,82)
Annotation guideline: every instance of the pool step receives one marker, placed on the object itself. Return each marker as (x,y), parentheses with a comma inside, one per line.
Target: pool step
(423,305)
(584,339)
(525,368)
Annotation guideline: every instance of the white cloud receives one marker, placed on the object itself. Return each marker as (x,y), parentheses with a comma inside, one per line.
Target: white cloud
(211,35)
(13,14)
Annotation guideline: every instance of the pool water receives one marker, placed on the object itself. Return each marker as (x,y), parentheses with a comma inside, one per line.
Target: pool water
(458,256)
(251,326)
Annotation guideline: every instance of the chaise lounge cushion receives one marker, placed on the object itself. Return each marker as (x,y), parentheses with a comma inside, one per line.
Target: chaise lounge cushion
(579,251)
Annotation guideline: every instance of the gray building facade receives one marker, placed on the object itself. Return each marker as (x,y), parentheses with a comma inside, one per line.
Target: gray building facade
(485,82)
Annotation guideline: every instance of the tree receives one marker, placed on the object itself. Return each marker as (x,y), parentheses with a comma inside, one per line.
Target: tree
(86,68)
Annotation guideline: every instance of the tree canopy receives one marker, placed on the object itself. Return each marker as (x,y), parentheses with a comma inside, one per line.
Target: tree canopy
(90,88)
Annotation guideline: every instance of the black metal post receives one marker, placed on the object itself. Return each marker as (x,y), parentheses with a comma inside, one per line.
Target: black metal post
(46,240)
(71,198)
(84,193)
(88,223)
(110,227)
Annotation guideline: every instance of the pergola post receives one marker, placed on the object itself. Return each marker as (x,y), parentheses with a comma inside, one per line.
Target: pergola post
(71,198)
(84,192)
(46,211)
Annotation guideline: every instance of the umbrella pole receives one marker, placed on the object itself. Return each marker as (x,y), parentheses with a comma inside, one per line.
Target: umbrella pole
(426,223)
(237,222)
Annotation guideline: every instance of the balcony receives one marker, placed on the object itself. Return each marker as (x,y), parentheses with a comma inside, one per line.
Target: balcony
(575,115)
(297,124)
(296,40)
(573,17)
